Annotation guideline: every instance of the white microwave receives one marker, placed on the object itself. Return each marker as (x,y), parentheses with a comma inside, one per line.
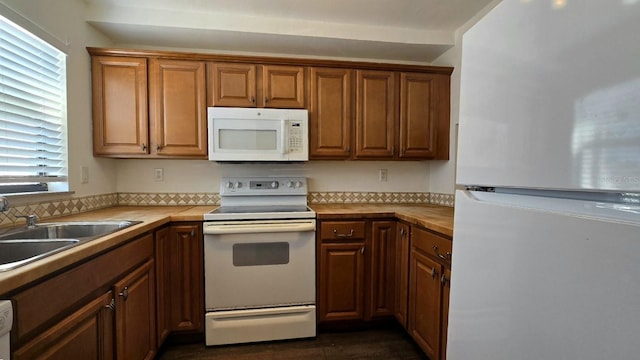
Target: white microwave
(252,134)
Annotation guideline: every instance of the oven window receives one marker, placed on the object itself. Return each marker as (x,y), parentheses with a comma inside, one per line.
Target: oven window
(275,253)
(248,139)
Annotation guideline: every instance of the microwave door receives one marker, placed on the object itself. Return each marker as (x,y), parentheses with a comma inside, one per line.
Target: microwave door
(248,140)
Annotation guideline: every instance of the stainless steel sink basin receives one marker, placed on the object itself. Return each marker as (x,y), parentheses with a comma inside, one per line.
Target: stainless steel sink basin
(23,245)
(14,253)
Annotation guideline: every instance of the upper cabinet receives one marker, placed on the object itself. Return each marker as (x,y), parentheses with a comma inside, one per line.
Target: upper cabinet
(375,114)
(166,119)
(120,115)
(153,104)
(330,113)
(178,108)
(248,85)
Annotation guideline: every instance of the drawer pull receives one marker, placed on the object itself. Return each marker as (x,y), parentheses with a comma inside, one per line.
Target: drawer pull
(446,256)
(335,233)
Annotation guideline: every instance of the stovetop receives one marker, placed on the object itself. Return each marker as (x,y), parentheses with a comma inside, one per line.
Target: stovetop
(256,198)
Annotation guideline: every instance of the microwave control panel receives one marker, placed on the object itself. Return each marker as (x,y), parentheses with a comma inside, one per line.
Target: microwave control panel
(295,136)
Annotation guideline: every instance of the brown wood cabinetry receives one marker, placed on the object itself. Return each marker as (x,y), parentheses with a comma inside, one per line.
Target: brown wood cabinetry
(177,108)
(341,266)
(179,264)
(232,84)
(136,314)
(375,114)
(249,85)
(85,334)
(428,306)
(167,118)
(383,269)
(356,262)
(402,273)
(80,310)
(120,115)
(330,113)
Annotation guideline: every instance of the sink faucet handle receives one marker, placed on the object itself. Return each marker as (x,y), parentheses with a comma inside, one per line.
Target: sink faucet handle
(4,204)
(31,219)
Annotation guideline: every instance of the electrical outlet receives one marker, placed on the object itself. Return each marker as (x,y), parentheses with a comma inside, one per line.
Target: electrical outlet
(384,173)
(158,174)
(84,170)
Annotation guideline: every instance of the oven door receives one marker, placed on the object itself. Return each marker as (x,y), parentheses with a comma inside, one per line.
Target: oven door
(258,264)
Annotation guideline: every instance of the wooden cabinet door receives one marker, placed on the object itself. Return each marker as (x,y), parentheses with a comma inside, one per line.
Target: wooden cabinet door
(136,314)
(120,114)
(382,260)
(341,281)
(330,113)
(402,273)
(283,86)
(186,278)
(446,288)
(178,108)
(232,84)
(85,334)
(163,284)
(424,302)
(418,115)
(375,114)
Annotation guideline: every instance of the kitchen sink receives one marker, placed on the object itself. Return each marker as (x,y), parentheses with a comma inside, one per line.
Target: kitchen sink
(23,245)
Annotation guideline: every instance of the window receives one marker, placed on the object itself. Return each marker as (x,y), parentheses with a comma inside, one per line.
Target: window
(33,150)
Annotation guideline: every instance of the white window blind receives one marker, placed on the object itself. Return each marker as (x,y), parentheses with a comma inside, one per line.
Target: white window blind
(32,108)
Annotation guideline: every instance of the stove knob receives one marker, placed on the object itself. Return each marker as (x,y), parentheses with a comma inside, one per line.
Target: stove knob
(291,185)
(238,185)
(298,184)
(229,185)
(274,185)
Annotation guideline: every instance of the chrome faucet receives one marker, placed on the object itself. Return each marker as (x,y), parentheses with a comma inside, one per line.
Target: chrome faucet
(4,204)
(31,220)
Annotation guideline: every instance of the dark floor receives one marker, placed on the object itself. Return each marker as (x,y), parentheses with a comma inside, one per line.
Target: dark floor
(381,343)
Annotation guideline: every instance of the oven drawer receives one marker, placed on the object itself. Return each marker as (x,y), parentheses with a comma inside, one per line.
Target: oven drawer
(342,230)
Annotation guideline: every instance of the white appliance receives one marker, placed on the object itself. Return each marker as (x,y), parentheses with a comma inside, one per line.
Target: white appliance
(546,238)
(6,322)
(259,251)
(252,134)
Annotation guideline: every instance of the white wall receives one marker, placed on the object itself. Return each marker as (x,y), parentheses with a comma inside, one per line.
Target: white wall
(183,176)
(442,174)
(61,22)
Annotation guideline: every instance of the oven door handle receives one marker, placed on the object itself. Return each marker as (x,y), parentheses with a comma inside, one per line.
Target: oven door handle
(215,229)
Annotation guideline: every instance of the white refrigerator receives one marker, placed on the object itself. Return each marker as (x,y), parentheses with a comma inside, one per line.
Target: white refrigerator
(546,245)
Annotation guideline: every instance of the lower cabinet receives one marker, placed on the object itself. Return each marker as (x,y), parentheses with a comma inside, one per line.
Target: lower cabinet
(101,309)
(356,264)
(180,283)
(429,274)
(136,314)
(375,269)
(85,334)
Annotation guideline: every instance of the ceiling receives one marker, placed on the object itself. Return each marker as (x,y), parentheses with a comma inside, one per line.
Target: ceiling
(398,30)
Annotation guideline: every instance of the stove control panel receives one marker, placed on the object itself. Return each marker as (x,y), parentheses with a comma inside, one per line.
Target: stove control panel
(243,186)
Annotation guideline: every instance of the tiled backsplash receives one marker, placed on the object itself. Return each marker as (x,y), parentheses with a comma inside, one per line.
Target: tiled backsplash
(77,205)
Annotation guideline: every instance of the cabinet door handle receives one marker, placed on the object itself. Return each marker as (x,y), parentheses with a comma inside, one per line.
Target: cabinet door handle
(193,233)
(443,279)
(144,147)
(253,99)
(434,273)
(447,256)
(393,150)
(402,233)
(158,148)
(266,99)
(362,250)
(335,233)
(125,293)
(112,305)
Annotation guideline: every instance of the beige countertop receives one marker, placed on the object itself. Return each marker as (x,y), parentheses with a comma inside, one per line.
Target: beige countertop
(433,217)
(151,217)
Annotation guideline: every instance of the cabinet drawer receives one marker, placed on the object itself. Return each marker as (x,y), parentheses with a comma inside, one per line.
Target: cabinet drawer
(342,230)
(431,244)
